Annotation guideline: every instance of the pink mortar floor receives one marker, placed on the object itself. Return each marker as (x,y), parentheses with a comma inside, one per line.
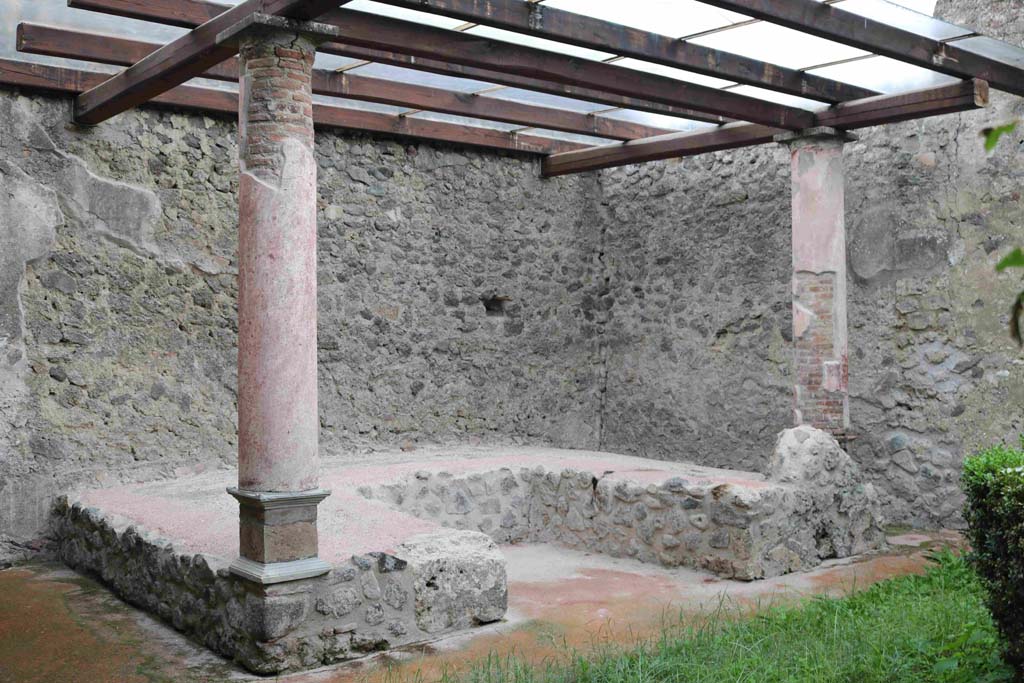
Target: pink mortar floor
(198,516)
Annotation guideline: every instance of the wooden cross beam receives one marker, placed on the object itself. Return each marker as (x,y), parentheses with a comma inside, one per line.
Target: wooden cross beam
(553,72)
(189,13)
(874,111)
(834,23)
(183,58)
(537,19)
(105,49)
(383,33)
(74,81)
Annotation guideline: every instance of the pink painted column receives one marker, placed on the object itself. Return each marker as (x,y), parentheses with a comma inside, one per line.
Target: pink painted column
(821,395)
(278,422)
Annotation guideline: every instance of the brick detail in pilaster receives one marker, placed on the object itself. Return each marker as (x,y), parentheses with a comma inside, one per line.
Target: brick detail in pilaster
(821,369)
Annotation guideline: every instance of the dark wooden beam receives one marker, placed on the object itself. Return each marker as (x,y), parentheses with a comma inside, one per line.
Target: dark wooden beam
(536,19)
(524,82)
(383,33)
(183,58)
(181,13)
(966,95)
(194,12)
(554,72)
(834,23)
(874,111)
(208,100)
(105,49)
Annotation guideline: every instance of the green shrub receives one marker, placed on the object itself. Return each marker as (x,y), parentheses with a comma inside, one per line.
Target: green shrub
(994,483)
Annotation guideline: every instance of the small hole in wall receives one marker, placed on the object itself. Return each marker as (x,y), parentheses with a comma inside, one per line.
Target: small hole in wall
(495,305)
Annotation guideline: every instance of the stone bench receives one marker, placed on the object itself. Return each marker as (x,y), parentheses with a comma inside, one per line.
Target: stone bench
(740,525)
(412,540)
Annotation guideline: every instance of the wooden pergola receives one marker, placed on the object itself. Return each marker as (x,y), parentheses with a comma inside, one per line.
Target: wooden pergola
(157,73)
(268,46)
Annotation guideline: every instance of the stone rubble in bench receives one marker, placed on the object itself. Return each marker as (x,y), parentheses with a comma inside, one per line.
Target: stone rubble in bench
(434,584)
(812,508)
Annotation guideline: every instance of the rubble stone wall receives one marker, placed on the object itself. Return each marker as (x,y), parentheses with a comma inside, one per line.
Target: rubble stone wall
(700,363)
(457,300)
(813,507)
(644,310)
(434,584)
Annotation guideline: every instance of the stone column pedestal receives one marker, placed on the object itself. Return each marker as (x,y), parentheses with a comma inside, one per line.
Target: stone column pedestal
(278,421)
(821,394)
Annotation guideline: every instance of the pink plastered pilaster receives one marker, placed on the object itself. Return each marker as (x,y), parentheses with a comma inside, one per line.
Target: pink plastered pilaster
(278,422)
(821,395)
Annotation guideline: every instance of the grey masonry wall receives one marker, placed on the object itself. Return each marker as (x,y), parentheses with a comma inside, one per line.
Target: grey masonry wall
(698,366)
(642,310)
(456,297)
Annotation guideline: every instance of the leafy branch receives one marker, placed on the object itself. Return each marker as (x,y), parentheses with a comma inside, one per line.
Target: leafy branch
(993,135)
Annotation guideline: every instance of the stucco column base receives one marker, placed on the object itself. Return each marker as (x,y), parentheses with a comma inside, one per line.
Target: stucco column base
(277,536)
(820,338)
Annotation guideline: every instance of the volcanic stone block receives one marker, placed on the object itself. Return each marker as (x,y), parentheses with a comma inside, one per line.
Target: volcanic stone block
(459,581)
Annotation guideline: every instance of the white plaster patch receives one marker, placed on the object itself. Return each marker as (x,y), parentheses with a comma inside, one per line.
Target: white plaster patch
(802,319)
(29,218)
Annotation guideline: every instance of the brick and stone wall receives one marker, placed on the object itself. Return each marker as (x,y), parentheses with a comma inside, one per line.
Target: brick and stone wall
(818,377)
(700,361)
(643,310)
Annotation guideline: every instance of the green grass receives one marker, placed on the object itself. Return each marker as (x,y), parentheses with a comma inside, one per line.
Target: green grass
(918,628)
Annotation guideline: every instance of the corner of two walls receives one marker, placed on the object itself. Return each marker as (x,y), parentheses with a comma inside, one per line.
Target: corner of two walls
(643,310)
(699,355)
(700,362)
(458,296)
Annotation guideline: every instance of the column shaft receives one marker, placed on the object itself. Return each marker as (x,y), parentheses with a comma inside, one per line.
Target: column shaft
(278,422)
(821,396)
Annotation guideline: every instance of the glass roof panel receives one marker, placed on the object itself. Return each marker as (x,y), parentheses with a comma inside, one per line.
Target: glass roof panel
(404,14)
(722,30)
(404,75)
(919,6)
(568,137)
(540,43)
(463,121)
(778,97)
(657,120)
(993,49)
(332,62)
(675,18)
(57,13)
(678,74)
(884,75)
(914,16)
(545,100)
(778,45)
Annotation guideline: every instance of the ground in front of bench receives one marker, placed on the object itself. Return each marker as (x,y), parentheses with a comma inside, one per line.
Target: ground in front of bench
(56,625)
